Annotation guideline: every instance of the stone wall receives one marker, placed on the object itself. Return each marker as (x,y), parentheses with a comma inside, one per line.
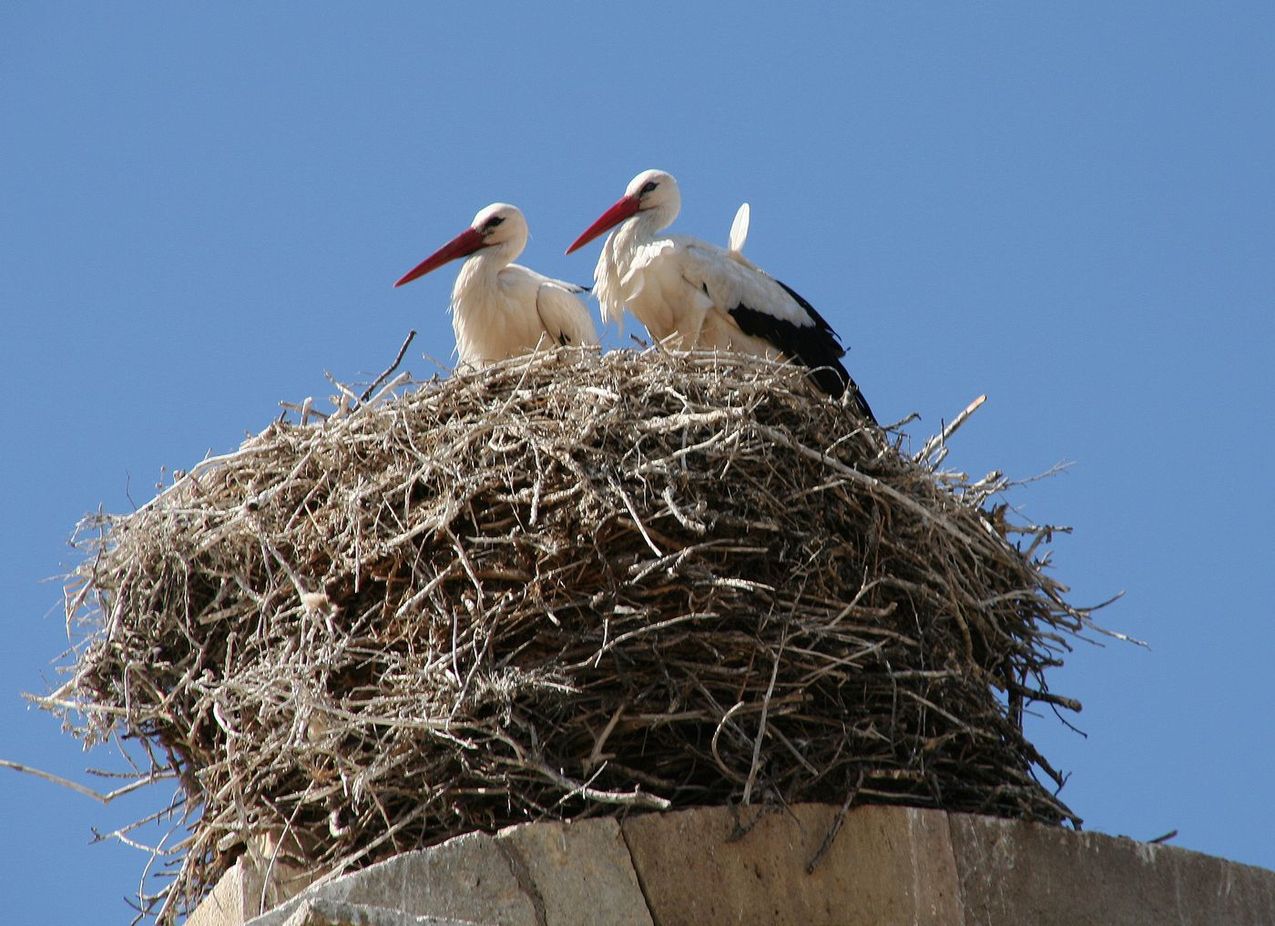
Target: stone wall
(886,865)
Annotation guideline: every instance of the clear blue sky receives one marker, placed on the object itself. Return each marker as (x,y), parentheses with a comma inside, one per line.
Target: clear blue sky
(1070,207)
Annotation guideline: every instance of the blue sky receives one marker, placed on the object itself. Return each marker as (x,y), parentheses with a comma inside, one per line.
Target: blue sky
(1068,207)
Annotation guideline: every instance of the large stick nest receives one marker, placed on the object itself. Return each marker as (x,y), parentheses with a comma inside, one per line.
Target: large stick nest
(566,585)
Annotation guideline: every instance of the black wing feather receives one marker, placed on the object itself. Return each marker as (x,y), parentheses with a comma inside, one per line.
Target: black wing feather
(816,345)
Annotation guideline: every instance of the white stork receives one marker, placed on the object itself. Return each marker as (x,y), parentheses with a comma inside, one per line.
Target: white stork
(692,294)
(501,309)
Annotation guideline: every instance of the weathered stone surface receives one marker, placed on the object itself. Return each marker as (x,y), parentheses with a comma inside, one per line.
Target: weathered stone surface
(1013,872)
(578,874)
(224,905)
(466,878)
(886,866)
(338,913)
(248,888)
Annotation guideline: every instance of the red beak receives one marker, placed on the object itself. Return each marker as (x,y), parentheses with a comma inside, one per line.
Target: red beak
(609,219)
(467,242)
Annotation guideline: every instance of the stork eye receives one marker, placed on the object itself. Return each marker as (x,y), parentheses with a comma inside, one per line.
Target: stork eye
(494,221)
(648,187)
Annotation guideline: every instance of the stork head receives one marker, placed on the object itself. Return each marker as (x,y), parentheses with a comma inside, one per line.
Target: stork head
(499,226)
(652,193)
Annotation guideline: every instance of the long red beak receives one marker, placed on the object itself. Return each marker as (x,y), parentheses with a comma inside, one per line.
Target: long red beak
(609,219)
(467,242)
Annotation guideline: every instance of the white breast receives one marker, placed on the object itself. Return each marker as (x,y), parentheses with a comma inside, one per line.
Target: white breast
(513,312)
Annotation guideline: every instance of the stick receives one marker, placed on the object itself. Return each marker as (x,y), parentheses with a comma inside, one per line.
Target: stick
(634,798)
(367,393)
(79,788)
(836,826)
(938,440)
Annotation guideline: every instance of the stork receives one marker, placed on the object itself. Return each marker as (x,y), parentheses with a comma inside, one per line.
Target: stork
(501,309)
(692,294)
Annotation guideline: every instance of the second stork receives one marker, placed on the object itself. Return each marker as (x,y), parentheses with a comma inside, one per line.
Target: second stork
(692,294)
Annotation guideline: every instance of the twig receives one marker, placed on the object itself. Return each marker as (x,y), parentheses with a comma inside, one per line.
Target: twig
(351,400)
(761,722)
(633,798)
(390,369)
(81,789)
(837,822)
(941,439)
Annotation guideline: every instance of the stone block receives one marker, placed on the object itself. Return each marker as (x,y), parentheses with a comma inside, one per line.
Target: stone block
(887,865)
(224,905)
(466,878)
(1013,872)
(578,874)
(248,888)
(337,913)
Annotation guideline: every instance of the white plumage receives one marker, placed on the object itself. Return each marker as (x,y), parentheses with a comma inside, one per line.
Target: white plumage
(739,234)
(692,294)
(501,309)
